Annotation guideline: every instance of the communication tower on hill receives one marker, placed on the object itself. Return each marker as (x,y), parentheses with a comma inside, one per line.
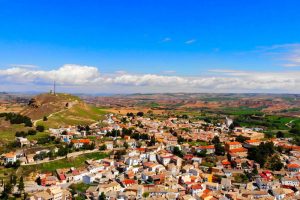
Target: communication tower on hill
(54,87)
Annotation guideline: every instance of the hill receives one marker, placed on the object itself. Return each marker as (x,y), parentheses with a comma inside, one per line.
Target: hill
(46,104)
(60,110)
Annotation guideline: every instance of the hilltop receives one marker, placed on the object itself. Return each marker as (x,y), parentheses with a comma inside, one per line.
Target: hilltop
(46,104)
(61,110)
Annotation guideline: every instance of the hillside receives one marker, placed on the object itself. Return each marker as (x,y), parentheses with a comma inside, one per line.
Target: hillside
(80,113)
(46,104)
(60,110)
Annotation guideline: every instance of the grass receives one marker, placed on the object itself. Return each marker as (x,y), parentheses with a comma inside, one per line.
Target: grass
(76,162)
(37,136)
(8,133)
(207,164)
(270,123)
(200,143)
(80,114)
(79,187)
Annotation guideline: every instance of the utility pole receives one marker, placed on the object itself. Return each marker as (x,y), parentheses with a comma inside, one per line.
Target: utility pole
(54,87)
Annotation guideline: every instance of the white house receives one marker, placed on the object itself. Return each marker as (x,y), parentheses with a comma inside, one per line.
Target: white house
(10,158)
(290,181)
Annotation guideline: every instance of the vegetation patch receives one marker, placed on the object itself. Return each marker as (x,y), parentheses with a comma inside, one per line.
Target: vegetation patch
(78,161)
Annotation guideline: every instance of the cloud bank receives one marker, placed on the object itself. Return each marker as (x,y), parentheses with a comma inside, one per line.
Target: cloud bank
(89,79)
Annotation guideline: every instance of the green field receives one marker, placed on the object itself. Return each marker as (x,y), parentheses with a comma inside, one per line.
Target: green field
(269,122)
(241,111)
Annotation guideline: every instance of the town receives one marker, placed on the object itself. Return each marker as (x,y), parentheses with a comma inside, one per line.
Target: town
(141,156)
(149,100)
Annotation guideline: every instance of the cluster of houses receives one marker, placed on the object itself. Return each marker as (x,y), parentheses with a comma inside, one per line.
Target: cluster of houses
(142,170)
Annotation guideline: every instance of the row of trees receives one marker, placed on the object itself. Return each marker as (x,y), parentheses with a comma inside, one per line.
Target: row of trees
(139,114)
(9,185)
(15,118)
(24,133)
(39,128)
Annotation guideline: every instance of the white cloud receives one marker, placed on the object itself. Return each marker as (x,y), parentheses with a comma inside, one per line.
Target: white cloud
(168,72)
(89,79)
(287,54)
(24,66)
(167,39)
(190,41)
(67,74)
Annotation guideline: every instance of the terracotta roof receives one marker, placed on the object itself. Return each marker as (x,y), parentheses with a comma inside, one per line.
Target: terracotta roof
(141,149)
(86,141)
(188,156)
(128,181)
(252,141)
(233,143)
(206,147)
(196,187)
(293,165)
(226,162)
(10,155)
(238,150)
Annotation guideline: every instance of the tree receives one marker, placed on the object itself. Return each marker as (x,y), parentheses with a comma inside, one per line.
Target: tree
(40,128)
(274,163)
(124,120)
(21,134)
(261,152)
(228,157)
(184,116)
(295,129)
(241,138)
(241,178)
(180,140)
(215,140)
(103,147)
(62,151)
(126,145)
(279,134)
(177,152)
(152,141)
(8,188)
(202,153)
(140,114)
(51,155)
(255,171)
(146,194)
(13,179)
(21,185)
(31,132)
(102,196)
(269,135)
(219,149)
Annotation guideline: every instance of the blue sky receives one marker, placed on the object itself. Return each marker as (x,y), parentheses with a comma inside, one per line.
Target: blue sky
(171,38)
